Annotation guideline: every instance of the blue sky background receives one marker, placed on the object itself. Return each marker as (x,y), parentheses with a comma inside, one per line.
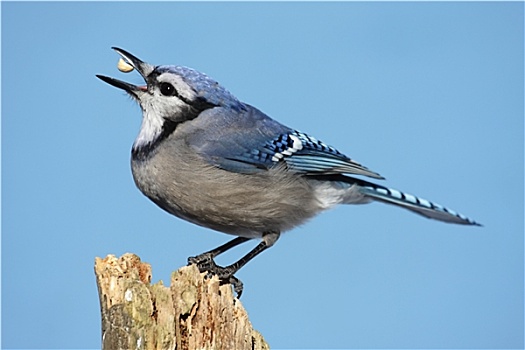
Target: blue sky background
(430,95)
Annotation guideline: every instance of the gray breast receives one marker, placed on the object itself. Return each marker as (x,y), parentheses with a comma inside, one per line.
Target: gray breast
(184,184)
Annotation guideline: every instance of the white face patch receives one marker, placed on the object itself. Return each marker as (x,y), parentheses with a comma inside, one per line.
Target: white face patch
(156,108)
(150,129)
(183,89)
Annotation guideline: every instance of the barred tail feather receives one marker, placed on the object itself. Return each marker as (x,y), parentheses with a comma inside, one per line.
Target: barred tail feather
(415,204)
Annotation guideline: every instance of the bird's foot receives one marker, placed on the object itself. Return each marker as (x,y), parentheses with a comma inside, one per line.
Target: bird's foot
(205,263)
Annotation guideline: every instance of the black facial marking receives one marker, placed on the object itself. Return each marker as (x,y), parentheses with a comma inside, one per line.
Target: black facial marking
(198,105)
(146,150)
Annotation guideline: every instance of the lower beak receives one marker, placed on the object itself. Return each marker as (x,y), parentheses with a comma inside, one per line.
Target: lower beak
(130,88)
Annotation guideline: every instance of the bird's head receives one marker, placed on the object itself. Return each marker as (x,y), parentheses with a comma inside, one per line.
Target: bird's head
(171,95)
(174,93)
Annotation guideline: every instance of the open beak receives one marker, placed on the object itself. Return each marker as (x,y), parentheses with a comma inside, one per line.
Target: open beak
(143,68)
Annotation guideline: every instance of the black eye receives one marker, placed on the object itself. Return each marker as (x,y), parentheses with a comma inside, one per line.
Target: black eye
(167,89)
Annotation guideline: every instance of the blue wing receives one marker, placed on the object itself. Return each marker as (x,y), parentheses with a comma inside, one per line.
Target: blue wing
(249,141)
(305,154)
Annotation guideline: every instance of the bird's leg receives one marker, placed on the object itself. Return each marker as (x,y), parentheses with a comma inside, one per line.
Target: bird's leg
(205,261)
(268,239)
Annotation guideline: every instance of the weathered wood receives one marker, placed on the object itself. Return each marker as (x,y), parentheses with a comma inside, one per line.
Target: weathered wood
(194,313)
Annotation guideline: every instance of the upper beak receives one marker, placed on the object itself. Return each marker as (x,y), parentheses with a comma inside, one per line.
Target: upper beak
(143,68)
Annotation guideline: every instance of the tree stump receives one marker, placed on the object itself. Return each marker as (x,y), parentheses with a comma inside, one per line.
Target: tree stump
(193,313)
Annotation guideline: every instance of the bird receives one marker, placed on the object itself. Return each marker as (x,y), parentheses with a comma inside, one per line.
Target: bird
(208,158)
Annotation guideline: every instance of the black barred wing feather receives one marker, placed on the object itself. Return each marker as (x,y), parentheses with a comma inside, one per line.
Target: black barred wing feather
(307,155)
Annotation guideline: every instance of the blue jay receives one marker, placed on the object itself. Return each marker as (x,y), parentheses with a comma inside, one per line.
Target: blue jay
(208,158)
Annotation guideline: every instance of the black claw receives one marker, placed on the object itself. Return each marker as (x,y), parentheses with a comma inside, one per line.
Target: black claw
(237,286)
(204,262)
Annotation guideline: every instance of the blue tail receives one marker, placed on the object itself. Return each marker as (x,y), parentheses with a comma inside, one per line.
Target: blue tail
(413,203)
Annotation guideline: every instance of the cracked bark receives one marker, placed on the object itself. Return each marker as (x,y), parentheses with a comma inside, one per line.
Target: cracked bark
(193,313)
